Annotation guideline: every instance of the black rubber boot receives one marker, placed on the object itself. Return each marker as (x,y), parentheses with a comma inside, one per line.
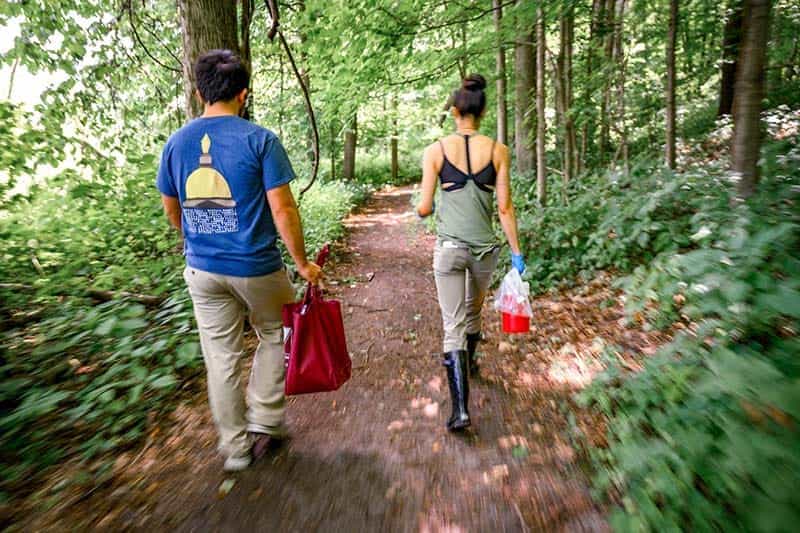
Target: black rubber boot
(472,345)
(458,376)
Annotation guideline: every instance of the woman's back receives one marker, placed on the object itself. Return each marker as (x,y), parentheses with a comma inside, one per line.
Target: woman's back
(480,151)
(467,177)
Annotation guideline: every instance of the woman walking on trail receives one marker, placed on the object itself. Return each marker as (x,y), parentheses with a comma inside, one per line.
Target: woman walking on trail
(466,248)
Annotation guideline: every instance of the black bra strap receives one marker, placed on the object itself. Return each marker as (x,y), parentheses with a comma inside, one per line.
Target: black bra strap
(469,165)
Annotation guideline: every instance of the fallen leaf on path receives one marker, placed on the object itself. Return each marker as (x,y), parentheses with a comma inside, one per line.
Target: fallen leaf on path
(398,425)
(416,403)
(519,452)
(225,487)
(431,410)
(435,384)
(497,473)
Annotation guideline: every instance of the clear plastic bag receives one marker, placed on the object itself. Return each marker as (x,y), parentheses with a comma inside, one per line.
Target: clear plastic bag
(513,296)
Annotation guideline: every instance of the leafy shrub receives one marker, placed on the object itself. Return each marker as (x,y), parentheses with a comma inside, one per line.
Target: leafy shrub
(706,436)
(612,221)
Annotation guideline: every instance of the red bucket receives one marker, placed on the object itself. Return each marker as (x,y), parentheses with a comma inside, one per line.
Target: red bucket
(516,323)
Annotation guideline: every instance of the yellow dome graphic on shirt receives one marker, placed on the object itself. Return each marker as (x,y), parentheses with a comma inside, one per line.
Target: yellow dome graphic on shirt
(206,188)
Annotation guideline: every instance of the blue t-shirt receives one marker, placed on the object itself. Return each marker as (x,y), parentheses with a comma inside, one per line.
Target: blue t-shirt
(220,169)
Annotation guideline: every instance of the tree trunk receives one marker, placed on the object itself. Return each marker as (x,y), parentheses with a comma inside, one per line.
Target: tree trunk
(565,63)
(669,155)
(541,162)
(587,129)
(500,63)
(205,25)
(332,148)
(247,8)
(523,87)
(605,102)
(731,38)
(393,142)
(748,94)
(350,139)
(620,61)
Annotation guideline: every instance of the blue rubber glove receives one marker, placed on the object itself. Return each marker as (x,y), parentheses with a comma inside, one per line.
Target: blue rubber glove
(518,262)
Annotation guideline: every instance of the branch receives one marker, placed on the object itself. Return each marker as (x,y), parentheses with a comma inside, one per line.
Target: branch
(425,75)
(156,37)
(446,24)
(139,40)
(274,15)
(275,29)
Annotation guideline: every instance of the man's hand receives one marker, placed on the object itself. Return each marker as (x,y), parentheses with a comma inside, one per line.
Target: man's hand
(310,271)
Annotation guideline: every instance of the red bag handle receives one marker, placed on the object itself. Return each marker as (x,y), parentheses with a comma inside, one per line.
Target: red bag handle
(312,292)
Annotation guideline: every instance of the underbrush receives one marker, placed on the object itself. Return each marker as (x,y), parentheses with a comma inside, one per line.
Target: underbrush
(98,335)
(705,437)
(376,170)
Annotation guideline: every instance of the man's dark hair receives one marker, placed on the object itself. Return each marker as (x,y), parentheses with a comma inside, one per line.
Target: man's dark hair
(220,75)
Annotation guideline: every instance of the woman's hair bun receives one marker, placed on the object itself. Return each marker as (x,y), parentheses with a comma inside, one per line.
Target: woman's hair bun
(474,82)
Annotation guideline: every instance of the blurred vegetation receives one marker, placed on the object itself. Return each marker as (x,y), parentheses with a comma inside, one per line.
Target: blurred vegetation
(705,437)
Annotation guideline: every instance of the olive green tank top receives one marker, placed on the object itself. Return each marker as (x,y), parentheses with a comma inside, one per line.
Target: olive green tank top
(466,207)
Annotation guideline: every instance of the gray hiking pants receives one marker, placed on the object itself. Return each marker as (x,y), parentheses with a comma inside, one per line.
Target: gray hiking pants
(462,280)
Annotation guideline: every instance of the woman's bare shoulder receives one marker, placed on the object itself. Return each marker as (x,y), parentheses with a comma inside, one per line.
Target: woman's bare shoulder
(500,149)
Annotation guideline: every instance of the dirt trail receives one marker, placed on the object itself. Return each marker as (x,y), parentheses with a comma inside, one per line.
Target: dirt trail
(373,456)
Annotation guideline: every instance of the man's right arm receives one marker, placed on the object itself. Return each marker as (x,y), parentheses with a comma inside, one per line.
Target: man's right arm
(287,221)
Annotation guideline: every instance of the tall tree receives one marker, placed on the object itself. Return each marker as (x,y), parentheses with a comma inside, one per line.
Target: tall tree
(731,37)
(350,140)
(567,28)
(205,25)
(607,17)
(672,34)
(523,88)
(748,94)
(541,126)
(621,126)
(500,65)
(393,142)
(587,128)
(670,85)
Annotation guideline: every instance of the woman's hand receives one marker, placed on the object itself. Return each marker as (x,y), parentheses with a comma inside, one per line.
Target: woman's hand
(518,262)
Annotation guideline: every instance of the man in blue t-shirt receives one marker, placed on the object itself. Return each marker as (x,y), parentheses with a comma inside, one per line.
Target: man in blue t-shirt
(224,182)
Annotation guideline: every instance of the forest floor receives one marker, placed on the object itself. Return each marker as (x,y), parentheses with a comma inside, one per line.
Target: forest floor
(374,455)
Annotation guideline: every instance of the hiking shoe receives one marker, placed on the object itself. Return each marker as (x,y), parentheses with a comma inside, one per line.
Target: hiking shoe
(236,464)
(263,442)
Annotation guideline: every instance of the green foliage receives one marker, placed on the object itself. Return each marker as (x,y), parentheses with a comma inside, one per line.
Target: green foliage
(706,437)
(613,221)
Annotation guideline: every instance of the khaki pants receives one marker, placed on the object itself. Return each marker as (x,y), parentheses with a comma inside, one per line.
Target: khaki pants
(462,281)
(220,306)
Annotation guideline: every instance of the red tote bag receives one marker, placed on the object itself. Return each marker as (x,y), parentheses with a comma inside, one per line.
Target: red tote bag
(316,353)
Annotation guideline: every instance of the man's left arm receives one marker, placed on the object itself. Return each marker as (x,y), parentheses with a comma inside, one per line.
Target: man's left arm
(172,208)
